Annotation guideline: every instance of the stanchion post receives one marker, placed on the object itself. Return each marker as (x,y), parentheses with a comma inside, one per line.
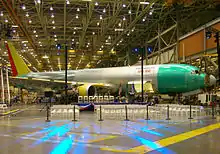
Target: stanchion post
(126,113)
(100,113)
(74,113)
(213,111)
(168,113)
(48,110)
(190,112)
(147,118)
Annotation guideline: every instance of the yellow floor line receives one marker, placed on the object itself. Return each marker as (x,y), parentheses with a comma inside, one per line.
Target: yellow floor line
(10,112)
(99,139)
(168,141)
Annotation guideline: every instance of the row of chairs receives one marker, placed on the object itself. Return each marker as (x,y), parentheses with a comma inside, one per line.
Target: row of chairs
(3,107)
(65,111)
(95,99)
(140,111)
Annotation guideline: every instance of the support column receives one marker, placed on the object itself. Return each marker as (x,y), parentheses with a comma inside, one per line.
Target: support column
(128,55)
(159,43)
(176,56)
(142,75)
(205,49)
(146,54)
(8,87)
(218,51)
(2,83)
(66,54)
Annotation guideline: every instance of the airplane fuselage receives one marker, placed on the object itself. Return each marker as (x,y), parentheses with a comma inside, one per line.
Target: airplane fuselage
(170,78)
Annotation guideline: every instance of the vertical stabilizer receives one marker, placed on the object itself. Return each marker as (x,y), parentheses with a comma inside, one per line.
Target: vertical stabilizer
(18,65)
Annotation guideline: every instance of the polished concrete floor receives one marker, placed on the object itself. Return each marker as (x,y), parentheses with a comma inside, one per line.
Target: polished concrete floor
(27,132)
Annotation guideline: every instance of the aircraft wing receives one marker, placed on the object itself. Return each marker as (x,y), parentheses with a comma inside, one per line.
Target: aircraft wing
(55,76)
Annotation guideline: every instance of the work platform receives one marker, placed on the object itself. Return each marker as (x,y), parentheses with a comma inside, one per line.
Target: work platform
(26,131)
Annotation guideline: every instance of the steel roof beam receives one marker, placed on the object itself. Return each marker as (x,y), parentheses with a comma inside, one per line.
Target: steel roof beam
(132,24)
(17,21)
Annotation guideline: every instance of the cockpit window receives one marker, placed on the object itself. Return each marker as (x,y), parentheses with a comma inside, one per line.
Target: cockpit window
(195,72)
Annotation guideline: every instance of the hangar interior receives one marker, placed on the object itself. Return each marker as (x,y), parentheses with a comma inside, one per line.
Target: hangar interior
(148,69)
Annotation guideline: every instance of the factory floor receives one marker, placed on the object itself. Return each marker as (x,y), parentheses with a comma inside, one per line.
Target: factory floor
(25,131)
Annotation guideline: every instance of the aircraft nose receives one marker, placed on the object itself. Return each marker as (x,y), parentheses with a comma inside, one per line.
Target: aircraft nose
(212,80)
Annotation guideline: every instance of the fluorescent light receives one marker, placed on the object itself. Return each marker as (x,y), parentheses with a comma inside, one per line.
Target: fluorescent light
(14,26)
(145,3)
(23,7)
(119,29)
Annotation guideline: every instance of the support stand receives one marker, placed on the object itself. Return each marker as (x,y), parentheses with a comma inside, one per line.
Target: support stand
(48,114)
(147,118)
(126,113)
(190,112)
(47,106)
(100,114)
(168,113)
(213,112)
(74,113)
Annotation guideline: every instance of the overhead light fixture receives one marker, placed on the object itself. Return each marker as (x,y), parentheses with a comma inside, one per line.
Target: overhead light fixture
(102,46)
(45,57)
(14,26)
(150,13)
(119,29)
(109,37)
(77,16)
(78,9)
(23,7)
(73,40)
(124,5)
(53,22)
(143,19)
(6,20)
(38,1)
(96,4)
(30,21)
(93,33)
(52,15)
(27,15)
(36,35)
(98,23)
(104,10)
(14,30)
(74,32)
(67,2)
(124,18)
(133,29)
(51,8)
(55,39)
(54,27)
(100,17)
(129,11)
(145,3)
(1,14)
(34,31)
(119,24)
(55,35)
